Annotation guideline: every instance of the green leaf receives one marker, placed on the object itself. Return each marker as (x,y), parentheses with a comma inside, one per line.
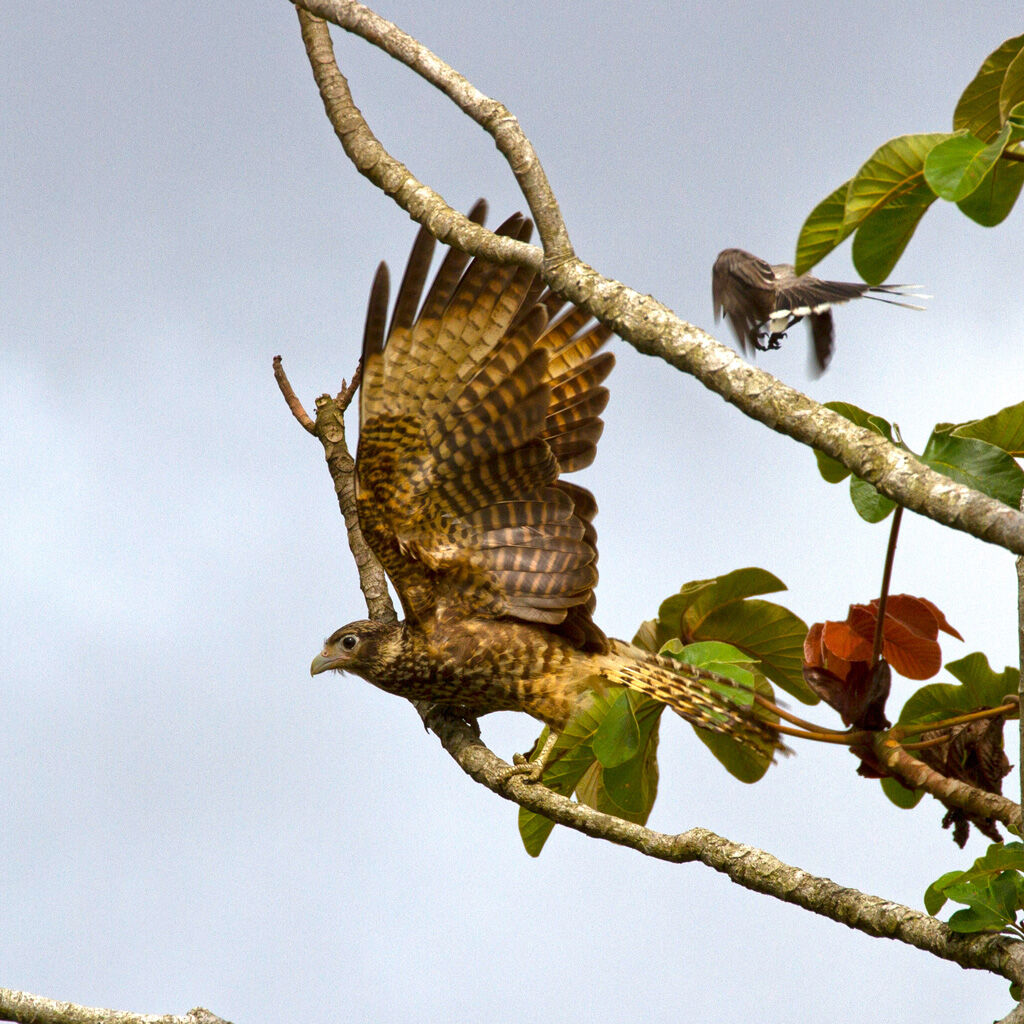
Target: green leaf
(955,168)
(991,202)
(745,764)
(618,736)
(902,797)
(1011,92)
(894,170)
(627,790)
(976,463)
(823,230)
(889,190)
(723,609)
(984,687)
(1004,429)
(980,688)
(870,505)
(934,896)
(977,919)
(992,889)
(993,899)
(881,239)
(978,109)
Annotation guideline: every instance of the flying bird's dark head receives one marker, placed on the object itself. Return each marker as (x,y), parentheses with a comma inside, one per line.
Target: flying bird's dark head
(362,647)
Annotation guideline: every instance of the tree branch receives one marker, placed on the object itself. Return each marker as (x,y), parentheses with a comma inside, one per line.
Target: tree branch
(916,774)
(747,866)
(491,115)
(29,1009)
(640,320)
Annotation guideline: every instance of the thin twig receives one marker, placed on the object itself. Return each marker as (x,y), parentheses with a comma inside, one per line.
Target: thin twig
(914,728)
(290,397)
(841,734)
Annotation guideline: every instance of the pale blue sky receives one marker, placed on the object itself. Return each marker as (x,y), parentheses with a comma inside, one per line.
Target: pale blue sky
(189,818)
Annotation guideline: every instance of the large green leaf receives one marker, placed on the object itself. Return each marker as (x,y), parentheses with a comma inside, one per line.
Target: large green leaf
(722,609)
(991,202)
(985,687)
(881,239)
(975,463)
(979,107)
(992,890)
(1004,429)
(628,789)
(617,739)
(823,230)
(956,167)
(1011,92)
(980,687)
(899,794)
(871,506)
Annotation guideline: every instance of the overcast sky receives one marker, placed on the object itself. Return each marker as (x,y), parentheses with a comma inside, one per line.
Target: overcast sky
(189,818)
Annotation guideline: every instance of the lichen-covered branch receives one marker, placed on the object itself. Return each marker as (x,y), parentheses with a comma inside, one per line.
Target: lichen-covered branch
(916,774)
(747,866)
(642,321)
(29,1009)
(491,115)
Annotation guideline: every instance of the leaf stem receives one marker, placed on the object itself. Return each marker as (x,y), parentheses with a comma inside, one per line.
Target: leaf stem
(883,598)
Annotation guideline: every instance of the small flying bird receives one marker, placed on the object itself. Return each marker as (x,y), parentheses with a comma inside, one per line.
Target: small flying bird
(472,407)
(762,301)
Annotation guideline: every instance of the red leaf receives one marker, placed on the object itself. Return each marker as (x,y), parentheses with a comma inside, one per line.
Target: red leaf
(913,613)
(843,641)
(812,645)
(940,619)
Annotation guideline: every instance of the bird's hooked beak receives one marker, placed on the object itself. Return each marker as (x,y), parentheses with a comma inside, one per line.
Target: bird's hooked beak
(323,662)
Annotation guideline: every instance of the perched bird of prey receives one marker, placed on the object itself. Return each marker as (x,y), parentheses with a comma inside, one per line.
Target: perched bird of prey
(762,301)
(478,401)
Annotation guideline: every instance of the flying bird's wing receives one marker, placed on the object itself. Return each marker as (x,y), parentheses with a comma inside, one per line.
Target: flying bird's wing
(743,288)
(469,411)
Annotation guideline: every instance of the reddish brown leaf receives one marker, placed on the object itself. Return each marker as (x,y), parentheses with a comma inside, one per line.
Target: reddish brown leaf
(812,645)
(940,619)
(913,656)
(859,696)
(913,613)
(844,641)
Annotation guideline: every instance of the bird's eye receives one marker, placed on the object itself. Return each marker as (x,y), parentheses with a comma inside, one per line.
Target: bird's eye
(349,641)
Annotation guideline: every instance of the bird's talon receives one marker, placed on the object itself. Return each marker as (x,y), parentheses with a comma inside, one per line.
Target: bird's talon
(530,771)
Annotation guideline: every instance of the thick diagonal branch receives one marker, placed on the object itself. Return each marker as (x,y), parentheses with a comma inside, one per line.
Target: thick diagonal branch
(642,321)
(747,866)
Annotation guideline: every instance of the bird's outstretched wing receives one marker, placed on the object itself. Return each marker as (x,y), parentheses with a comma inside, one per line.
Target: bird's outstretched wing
(743,288)
(469,411)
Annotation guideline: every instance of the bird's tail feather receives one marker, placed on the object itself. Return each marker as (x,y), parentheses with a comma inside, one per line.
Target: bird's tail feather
(907,290)
(705,699)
